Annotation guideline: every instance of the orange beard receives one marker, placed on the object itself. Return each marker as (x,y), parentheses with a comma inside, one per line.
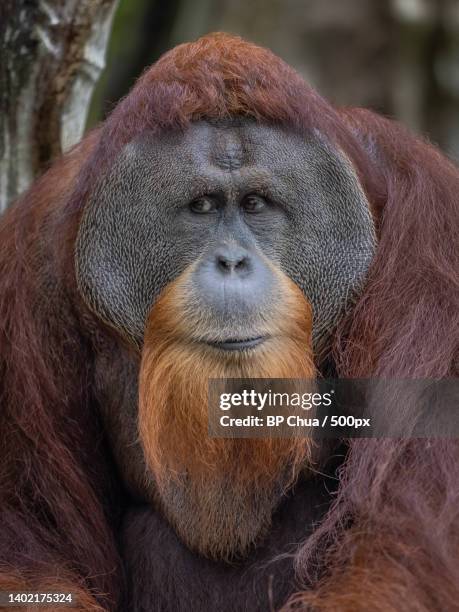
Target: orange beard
(218,493)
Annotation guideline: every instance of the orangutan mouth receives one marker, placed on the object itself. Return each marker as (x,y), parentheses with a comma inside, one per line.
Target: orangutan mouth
(238,345)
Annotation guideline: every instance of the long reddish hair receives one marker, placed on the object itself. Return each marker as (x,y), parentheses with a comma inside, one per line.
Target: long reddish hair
(392,534)
(391,537)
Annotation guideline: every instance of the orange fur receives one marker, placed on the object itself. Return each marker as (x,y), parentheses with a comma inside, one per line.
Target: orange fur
(173,413)
(382,574)
(174,387)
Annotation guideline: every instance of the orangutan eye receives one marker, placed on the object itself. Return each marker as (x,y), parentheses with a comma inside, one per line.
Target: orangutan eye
(203,206)
(253,204)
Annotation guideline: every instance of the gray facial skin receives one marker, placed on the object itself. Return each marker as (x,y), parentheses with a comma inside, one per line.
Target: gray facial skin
(269,195)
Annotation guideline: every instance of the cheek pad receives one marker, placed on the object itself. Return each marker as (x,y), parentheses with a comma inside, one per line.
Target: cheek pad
(331,248)
(124,251)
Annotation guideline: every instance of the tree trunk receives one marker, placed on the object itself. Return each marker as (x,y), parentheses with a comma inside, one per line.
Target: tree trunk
(52,54)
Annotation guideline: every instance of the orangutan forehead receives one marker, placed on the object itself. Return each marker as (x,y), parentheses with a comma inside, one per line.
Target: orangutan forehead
(240,153)
(234,143)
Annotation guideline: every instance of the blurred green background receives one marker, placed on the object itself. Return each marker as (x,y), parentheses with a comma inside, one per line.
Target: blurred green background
(398,57)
